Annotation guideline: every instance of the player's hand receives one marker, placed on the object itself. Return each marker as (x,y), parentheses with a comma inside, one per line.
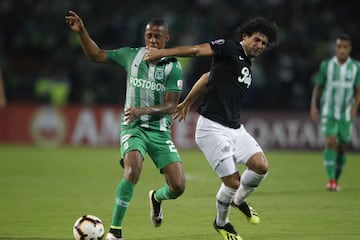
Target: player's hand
(152,54)
(181,111)
(74,22)
(131,114)
(314,113)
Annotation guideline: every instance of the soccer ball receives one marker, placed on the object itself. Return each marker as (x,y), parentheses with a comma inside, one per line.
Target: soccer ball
(88,227)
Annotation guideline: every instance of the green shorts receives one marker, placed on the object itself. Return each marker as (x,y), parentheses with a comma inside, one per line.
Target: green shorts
(338,128)
(158,145)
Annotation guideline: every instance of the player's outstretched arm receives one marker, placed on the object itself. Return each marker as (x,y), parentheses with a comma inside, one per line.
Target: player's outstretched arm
(90,48)
(196,91)
(181,51)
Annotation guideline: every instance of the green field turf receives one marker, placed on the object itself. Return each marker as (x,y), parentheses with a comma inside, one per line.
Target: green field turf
(43,192)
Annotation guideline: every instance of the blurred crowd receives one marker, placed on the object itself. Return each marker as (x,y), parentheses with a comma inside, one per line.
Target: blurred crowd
(42,61)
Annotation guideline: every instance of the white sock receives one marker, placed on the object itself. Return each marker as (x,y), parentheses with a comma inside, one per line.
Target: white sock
(223,201)
(249,181)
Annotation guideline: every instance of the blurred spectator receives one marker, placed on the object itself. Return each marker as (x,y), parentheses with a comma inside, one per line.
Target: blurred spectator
(53,89)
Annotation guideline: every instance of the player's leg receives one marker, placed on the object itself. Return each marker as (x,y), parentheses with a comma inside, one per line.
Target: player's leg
(174,187)
(250,180)
(227,171)
(133,150)
(257,168)
(214,140)
(249,152)
(175,179)
(166,158)
(343,140)
(330,155)
(230,177)
(340,163)
(227,190)
(329,129)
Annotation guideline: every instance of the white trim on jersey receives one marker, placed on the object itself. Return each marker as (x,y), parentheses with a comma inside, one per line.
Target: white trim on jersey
(327,102)
(130,93)
(339,97)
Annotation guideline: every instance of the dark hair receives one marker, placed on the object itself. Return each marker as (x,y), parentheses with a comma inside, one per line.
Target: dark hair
(344,36)
(159,22)
(259,24)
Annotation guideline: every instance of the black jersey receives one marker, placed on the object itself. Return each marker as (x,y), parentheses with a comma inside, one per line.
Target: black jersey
(230,77)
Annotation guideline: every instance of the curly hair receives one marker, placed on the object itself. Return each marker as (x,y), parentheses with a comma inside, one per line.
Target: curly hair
(258,25)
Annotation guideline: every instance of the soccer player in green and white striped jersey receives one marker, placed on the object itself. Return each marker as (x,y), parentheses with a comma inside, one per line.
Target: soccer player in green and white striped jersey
(337,86)
(152,93)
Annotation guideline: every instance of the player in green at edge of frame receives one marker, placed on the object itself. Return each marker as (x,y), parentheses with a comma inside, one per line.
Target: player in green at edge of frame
(219,134)
(152,94)
(337,86)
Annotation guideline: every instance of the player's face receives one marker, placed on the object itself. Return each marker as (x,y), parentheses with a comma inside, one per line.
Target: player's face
(156,36)
(342,50)
(255,44)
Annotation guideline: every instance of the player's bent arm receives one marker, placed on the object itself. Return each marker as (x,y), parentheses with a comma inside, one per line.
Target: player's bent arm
(91,49)
(168,107)
(197,90)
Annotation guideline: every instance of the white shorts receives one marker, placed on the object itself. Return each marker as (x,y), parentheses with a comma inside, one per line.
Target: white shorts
(224,147)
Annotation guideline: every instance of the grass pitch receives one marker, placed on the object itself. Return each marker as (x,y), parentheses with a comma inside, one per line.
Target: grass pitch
(43,192)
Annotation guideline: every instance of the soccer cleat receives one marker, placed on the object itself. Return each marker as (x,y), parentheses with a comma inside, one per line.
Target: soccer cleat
(337,188)
(332,186)
(250,213)
(156,213)
(111,236)
(227,231)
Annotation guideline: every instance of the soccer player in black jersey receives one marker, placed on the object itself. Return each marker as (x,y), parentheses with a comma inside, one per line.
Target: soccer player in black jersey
(219,133)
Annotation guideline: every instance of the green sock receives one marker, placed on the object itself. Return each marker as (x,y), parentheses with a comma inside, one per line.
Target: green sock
(330,162)
(124,193)
(164,193)
(340,163)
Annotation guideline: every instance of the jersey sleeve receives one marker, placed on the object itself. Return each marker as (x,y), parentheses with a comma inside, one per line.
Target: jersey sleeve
(175,81)
(118,56)
(222,47)
(321,75)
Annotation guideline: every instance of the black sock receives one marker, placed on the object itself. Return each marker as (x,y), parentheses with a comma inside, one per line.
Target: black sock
(116,232)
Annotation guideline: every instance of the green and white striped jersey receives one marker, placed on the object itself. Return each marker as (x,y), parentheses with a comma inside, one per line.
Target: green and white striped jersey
(338,84)
(147,83)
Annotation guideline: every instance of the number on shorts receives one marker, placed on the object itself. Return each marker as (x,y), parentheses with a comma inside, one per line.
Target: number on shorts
(172,147)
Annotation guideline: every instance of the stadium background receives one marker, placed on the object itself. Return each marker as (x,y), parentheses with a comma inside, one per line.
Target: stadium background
(45,189)
(38,48)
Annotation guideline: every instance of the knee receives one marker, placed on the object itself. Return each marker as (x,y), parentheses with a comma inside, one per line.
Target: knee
(330,142)
(132,164)
(232,181)
(262,169)
(342,148)
(177,189)
(258,163)
(132,174)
